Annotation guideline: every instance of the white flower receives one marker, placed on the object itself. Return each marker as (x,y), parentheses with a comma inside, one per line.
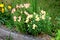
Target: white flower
(21,6)
(26,13)
(14,18)
(43,17)
(13,10)
(34,26)
(30,16)
(19,19)
(27,17)
(43,12)
(27,20)
(27,5)
(37,19)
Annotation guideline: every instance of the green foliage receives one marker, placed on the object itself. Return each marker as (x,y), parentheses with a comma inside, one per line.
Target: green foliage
(47,26)
(42,25)
(58,35)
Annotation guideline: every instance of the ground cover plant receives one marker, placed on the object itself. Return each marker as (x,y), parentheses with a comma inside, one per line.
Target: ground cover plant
(31,16)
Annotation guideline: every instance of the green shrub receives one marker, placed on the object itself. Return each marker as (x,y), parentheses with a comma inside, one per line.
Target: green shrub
(26,24)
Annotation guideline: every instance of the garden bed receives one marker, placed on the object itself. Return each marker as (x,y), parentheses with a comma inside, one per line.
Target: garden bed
(33,19)
(5,32)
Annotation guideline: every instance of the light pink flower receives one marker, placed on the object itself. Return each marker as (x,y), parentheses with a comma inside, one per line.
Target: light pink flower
(17,6)
(27,5)
(14,18)
(13,10)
